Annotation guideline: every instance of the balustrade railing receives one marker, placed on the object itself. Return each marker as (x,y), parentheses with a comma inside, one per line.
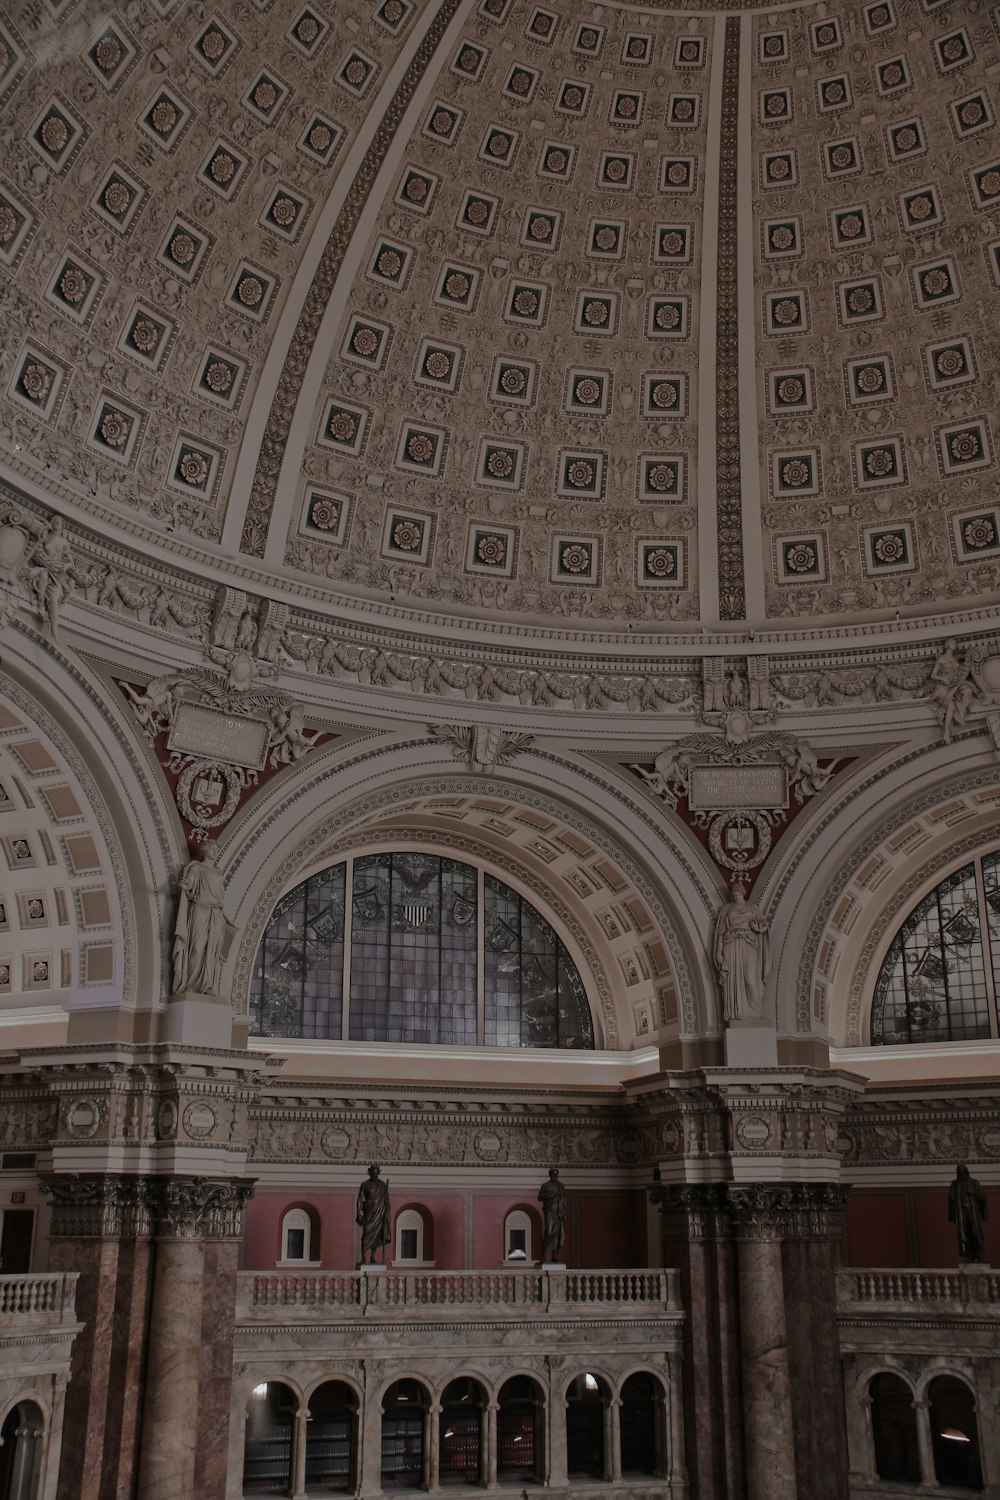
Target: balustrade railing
(901,1289)
(51,1297)
(373,1287)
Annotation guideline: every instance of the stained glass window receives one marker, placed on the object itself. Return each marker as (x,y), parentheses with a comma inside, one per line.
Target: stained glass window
(938,981)
(410,947)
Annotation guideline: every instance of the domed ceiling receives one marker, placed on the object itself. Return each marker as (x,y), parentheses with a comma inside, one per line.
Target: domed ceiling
(566,314)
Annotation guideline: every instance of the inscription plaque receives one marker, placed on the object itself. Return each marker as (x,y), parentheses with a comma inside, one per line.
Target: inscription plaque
(209,735)
(714,788)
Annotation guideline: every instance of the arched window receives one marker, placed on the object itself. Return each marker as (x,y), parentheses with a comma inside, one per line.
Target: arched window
(403,1411)
(954,1434)
(517,1244)
(331,1438)
(298,1238)
(894,1429)
(267,1450)
(461,1433)
(641,1425)
(520,1428)
(941,976)
(413,1237)
(586,1401)
(409,947)
(21,1452)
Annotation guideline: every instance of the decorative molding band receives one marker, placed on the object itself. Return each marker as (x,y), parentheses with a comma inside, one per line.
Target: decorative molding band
(272,450)
(732,575)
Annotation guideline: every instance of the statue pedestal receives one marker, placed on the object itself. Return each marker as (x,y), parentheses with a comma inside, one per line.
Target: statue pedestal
(751,1044)
(374,1268)
(198,1021)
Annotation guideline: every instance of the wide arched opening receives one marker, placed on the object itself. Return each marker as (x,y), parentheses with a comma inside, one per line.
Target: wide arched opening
(520,1428)
(332,1439)
(267,1447)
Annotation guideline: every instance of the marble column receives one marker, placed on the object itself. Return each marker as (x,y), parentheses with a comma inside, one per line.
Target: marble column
(101,1229)
(432,1446)
(299,1439)
(191,1214)
(921,1407)
(170,1410)
(488,1446)
(613,1459)
(706,1437)
(767,1406)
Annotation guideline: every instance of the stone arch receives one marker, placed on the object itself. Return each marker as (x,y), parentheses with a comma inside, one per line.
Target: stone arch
(380,785)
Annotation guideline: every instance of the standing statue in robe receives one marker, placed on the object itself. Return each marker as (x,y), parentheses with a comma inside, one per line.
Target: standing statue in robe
(201,925)
(742,956)
(373,1215)
(966,1210)
(552,1197)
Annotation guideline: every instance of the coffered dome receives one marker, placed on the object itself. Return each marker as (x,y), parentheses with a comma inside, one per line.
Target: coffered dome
(591,317)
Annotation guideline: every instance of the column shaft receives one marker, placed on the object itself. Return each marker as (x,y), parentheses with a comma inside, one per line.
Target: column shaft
(170,1410)
(770,1448)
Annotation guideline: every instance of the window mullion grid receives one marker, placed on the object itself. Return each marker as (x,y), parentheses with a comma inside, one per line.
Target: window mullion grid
(345,991)
(480,956)
(944,960)
(987,946)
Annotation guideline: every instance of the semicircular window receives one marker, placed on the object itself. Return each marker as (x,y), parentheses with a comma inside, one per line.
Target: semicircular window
(941,977)
(407,947)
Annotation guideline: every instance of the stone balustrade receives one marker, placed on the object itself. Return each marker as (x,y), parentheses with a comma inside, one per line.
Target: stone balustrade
(35,1298)
(375,1289)
(895,1291)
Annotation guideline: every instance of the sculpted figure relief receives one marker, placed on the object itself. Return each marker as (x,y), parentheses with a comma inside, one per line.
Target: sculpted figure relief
(950,689)
(552,1197)
(373,1215)
(966,1210)
(201,925)
(742,954)
(50,575)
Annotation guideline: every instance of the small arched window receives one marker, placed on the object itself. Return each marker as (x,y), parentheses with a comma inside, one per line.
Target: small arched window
(517,1245)
(894,1429)
(297,1239)
(954,1434)
(936,980)
(412,1238)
